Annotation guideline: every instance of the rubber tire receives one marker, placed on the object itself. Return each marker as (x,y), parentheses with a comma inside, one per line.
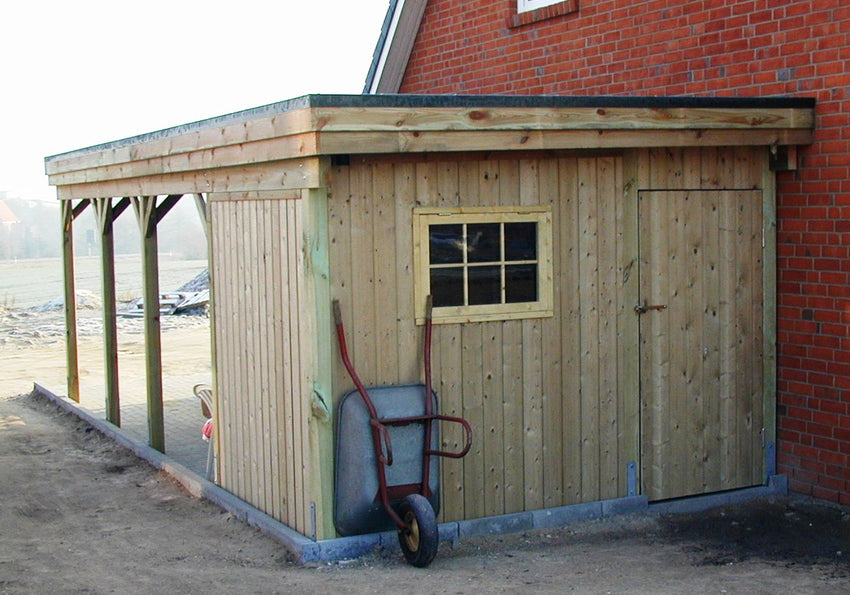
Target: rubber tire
(420,541)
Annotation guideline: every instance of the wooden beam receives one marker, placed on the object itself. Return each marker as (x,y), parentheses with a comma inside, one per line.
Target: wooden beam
(552,118)
(146,214)
(153,146)
(71,348)
(260,195)
(293,134)
(80,208)
(121,206)
(105,217)
(340,143)
(166,205)
(201,205)
(243,154)
(275,175)
(317,292)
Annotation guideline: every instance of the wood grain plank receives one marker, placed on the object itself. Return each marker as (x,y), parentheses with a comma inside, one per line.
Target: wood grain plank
(552,393)
(384,255)
(628,329)
(570,329)
(447,370)
(607,200)
(471,339)
(589,376)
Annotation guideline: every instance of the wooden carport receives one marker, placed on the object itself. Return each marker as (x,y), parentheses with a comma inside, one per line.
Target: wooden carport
(270,182)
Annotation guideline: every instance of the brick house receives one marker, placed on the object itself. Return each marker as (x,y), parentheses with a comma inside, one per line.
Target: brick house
(742,48)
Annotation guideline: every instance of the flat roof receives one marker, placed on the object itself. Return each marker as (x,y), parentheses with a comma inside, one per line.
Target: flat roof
(281,146)
(454,101)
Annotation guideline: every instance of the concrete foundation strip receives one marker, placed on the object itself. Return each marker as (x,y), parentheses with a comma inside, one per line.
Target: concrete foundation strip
(305,550)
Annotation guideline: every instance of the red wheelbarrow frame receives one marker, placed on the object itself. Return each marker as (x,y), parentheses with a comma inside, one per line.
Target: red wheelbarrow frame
(380,435)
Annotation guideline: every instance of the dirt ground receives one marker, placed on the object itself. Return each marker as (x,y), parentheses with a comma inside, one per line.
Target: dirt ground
(79,514)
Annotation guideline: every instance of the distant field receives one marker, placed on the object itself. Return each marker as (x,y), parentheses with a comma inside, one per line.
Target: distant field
(29,283)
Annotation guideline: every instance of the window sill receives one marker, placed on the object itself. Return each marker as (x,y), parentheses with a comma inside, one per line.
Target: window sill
(541,14)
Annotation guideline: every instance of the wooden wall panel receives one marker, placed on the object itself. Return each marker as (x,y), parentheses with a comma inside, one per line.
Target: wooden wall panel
(263,364)
(544,396)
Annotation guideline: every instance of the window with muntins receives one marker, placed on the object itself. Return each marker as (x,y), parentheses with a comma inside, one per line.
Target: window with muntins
(488,263)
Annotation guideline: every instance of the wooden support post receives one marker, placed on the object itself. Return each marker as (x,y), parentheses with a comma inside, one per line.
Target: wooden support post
(106,214)
(149,215)
(317,292)
(72,365)
(145,207)
(201,205)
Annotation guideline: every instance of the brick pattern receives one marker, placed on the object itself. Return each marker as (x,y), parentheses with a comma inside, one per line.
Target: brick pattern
(706,48)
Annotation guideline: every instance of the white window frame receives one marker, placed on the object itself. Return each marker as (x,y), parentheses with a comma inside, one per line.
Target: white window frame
(424,217)
(529,5)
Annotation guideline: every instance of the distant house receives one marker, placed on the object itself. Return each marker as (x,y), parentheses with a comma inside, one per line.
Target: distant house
(7,217)
(707,49)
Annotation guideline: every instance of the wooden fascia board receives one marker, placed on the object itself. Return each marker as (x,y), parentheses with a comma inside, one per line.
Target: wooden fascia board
(524,140)
(214,138)
(244,153)
(577,118)
(207,145)
(308,132)
(273,175)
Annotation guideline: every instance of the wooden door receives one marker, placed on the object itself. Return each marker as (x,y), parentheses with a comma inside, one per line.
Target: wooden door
(701,338)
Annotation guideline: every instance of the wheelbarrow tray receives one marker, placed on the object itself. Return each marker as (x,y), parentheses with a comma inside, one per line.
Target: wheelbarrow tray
(358,507)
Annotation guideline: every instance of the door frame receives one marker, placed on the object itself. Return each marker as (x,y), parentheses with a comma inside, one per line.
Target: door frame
(638,175)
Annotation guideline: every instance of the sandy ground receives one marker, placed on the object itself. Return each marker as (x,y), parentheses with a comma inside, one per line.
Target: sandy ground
(80,515)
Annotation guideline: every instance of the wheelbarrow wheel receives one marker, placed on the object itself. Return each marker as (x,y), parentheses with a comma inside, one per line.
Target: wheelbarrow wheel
(420,538)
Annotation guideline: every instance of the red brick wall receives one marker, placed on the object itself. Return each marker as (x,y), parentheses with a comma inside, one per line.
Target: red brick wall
(707,47)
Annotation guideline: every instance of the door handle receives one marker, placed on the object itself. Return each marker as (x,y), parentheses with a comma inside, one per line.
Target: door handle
(643,309)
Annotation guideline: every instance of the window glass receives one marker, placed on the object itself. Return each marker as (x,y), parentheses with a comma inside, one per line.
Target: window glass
(447,286)
(483,263)
(520,283)
(446,243)
(484,242)
(520,241)
(485,285)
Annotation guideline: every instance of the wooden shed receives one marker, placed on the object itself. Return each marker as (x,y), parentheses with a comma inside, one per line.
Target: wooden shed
(602,272)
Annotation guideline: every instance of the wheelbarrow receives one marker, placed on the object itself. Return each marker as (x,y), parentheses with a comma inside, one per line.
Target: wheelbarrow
(386,439)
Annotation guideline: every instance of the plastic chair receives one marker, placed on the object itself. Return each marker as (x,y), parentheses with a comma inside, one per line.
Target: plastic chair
(205,393)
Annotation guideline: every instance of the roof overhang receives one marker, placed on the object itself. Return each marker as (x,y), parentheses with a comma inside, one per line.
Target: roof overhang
(280,146)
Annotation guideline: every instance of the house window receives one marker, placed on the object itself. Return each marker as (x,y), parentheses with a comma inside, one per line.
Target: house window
(487,263)
(529,5)
(533,11)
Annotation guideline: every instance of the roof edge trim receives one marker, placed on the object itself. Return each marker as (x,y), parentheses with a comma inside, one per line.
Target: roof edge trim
(395,44)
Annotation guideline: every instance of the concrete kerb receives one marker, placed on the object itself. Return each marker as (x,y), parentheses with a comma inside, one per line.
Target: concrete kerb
(302,548)
(306,550)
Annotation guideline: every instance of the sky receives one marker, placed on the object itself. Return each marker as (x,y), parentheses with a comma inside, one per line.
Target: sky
(76,73)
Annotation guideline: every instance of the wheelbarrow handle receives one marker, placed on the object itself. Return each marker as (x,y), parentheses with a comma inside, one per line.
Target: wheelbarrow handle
(337,313)
(388,445)
(467,430)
